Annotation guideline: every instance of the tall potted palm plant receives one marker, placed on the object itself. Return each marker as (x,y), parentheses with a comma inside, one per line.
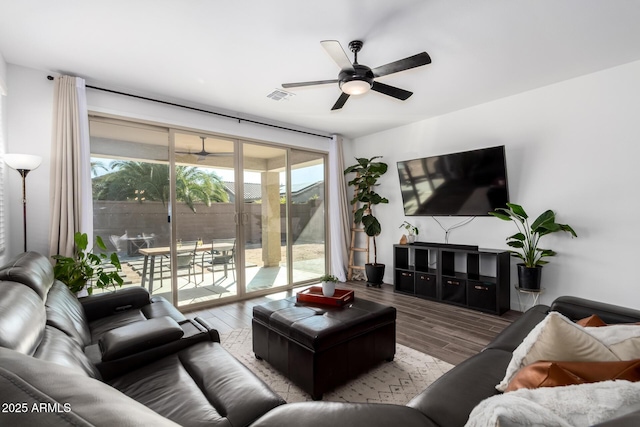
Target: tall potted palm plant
(526,240)
(368,171)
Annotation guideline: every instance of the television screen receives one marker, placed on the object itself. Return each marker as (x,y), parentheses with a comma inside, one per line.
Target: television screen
(469,183)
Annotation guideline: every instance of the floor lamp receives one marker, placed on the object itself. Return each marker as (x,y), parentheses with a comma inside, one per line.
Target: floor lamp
(23,163)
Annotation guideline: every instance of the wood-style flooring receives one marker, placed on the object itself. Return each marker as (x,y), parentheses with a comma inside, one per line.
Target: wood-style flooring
(447,332)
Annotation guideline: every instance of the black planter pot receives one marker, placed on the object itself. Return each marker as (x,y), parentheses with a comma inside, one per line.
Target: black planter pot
(375,274)
(529,277)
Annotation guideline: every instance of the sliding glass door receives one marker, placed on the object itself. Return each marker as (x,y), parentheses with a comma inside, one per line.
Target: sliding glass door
(203,262)
(264,216)
(199,218)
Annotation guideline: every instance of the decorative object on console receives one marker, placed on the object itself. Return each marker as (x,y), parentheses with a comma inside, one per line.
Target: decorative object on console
(87,270)
(413,231)
(328,285)
(526,241)
(367,173)
(23,163)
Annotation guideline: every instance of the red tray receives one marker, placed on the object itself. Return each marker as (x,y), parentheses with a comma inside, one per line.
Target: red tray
(314,295)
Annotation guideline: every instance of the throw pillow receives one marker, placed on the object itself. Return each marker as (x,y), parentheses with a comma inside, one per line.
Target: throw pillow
(557,338)
(554,374)
(593,321)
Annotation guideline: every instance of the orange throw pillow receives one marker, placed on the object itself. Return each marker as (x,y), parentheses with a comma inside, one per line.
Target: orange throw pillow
(554,374)
(592,320)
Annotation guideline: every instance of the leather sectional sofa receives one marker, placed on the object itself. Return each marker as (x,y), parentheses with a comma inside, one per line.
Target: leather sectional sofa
(114,359)
(54,372)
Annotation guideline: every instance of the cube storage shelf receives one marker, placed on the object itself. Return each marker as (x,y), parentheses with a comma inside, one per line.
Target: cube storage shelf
(454,274)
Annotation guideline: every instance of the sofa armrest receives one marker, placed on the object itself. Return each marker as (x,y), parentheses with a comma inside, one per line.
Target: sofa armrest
(578,308)
(136,337)
(332,414)
(107,304)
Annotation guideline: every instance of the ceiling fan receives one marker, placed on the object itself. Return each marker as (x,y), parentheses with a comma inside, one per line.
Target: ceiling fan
(202,154)
(356,79)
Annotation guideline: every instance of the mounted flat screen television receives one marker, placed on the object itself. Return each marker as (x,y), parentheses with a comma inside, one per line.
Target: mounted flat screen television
(469,183)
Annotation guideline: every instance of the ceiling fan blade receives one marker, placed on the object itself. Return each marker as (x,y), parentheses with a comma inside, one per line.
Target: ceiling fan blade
(340,102)
(391,91)
(403,64)
(337,53)
(313,83)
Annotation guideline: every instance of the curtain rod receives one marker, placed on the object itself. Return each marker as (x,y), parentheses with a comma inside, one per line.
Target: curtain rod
(227,116)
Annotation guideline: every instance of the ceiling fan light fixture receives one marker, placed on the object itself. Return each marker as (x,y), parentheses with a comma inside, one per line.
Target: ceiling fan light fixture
(355,87)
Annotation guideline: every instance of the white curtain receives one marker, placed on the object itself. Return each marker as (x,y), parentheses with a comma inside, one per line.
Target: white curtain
(339,221)
(70,202)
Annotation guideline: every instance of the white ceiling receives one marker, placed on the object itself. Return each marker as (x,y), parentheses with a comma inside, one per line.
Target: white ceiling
(229,55)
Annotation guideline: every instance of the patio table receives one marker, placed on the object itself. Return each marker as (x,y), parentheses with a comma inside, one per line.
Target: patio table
(166,250)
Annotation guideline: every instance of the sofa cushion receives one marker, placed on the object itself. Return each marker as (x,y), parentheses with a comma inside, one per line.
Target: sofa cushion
(65,312)
(32,269)
(76,399)
(22,317)
(201,385)
(61,349)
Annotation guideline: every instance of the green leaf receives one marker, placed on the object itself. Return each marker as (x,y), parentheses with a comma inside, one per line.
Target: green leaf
(515,244)
(100,243)
(517,236)
(568,229)
(518,210)
(502,216)
(371,225)
(545,220)
(81,240)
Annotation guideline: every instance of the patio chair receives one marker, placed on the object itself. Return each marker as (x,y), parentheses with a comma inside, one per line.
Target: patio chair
(185,259)
(119,242)
(223,252)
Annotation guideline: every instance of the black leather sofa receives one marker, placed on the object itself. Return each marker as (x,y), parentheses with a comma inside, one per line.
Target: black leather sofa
(51,371)
(118,359)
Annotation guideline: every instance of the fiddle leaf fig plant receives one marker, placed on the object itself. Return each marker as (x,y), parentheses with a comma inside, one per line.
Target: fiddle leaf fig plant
(87,269)
(526,240)
(367,171)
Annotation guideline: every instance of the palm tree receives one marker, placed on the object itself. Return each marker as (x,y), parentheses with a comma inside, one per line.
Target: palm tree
(150,181)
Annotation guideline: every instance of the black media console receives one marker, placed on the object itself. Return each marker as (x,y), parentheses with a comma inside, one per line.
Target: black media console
(454,274)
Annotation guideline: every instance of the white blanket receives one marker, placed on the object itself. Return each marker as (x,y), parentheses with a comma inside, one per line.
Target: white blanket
(568,406)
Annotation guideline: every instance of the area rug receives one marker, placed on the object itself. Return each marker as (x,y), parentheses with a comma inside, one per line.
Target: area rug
(390,382)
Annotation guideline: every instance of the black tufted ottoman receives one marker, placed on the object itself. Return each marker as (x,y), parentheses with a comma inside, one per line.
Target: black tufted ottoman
(320,347)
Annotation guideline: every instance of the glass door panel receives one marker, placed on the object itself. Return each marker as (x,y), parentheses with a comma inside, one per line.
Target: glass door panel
(264,216)
(308,215)
(204,258)
(130,180)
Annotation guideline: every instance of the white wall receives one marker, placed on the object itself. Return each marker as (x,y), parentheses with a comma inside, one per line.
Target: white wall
(3,149)
(572,147)
(30,109)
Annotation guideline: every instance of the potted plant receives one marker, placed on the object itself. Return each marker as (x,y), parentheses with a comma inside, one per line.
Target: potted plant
(412,229)
(87,270)
(328,285)
(526,241)
(368,171)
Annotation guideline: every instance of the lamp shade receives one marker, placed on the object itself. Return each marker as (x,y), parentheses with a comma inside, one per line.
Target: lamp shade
(355,87)
(22,161)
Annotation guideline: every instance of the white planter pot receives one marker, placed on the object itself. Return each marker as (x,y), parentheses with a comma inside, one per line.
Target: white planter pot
(328,288)
(411,238)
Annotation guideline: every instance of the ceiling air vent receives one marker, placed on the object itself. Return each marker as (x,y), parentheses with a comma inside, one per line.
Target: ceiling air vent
(280,95)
